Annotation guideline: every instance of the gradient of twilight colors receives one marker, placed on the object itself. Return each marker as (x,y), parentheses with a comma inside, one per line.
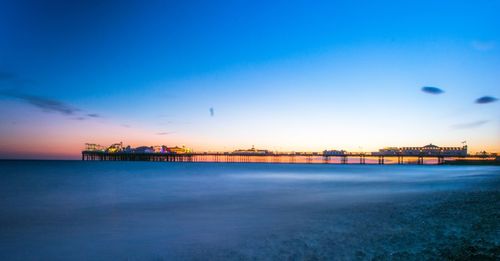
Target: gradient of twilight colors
(222,75)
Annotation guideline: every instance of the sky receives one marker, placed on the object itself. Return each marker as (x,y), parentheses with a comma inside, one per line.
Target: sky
(225,75)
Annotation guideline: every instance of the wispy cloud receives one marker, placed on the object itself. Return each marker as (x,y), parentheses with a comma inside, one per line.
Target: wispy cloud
(165,133)
(432,90)
(48,104)
(469,125)
(486,99)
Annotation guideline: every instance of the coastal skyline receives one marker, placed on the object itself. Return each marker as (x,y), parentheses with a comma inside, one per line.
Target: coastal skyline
(223,76)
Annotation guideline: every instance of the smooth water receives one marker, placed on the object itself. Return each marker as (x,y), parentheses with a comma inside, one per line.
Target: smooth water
(72,210)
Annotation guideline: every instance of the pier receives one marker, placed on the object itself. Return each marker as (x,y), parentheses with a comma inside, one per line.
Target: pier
(428,154)
(312,158)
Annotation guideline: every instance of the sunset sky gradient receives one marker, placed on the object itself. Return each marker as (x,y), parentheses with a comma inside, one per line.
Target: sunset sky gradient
(280,75)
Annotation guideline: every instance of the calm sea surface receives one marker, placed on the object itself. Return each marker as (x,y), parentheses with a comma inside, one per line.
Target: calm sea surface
(73,210)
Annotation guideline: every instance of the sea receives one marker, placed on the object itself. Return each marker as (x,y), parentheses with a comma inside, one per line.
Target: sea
(91,210)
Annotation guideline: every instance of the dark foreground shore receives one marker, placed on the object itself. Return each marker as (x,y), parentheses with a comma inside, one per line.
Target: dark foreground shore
(441,226)
(77,210)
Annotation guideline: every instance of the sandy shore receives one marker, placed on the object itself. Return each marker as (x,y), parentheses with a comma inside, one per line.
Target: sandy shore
(462,225)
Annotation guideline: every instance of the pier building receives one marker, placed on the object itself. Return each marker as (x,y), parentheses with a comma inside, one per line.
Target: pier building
(427,150)
(252,151)
(334,152)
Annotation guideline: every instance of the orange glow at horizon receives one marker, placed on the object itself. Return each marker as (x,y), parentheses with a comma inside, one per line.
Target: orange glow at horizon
(66,139)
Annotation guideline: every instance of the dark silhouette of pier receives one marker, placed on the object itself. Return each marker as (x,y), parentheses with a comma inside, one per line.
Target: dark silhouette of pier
(227,157)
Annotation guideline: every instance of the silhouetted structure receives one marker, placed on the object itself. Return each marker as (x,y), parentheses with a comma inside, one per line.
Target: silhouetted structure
(402,155)
(431,150)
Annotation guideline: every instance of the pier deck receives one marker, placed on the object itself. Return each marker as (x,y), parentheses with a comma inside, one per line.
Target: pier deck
(354,158)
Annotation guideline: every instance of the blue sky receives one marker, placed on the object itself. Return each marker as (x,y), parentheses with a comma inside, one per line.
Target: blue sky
(281,75)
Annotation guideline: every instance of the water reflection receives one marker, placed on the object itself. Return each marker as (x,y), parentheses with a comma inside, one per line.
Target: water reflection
(159,210)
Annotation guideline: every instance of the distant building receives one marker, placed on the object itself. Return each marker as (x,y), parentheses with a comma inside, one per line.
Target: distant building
(143,149)
(117,147)
(427,150)
(334,152)
(388,151)
(93,147)
(160,149)
(127,149)
(252,151)
(179,150)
